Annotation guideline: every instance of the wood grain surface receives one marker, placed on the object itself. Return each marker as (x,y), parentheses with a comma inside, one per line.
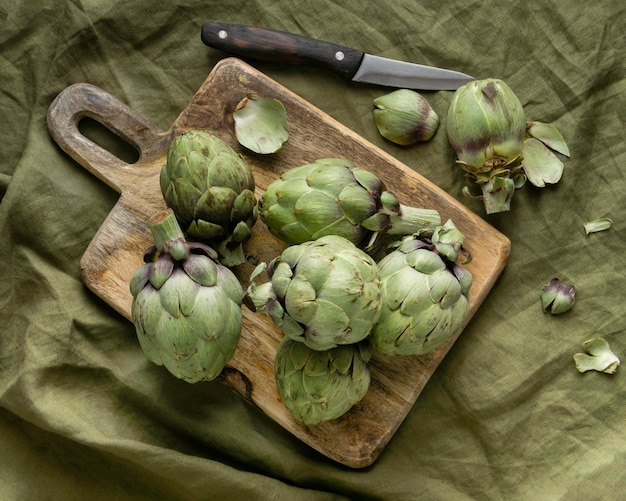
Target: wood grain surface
(357,438)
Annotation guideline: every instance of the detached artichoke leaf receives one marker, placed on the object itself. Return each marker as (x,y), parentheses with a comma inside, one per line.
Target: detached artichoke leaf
(602,224)
(540,165)
(261,124)
(598,356)
(557,297)
(549,135)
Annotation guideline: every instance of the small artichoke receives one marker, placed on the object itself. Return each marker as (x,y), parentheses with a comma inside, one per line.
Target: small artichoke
(486,126)
(333,196)
(405,117)
(211,190)
(186,307)
(323,293)
(318,386)
(424,293)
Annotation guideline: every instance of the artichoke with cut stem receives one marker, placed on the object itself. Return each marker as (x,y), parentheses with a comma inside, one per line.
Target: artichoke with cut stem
(186,307)
(333,196)
(210,188)
(317,386)
(486,126)
(323,293)
(424,291)
(496,147)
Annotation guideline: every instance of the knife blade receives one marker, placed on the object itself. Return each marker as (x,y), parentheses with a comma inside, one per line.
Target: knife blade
(264,44)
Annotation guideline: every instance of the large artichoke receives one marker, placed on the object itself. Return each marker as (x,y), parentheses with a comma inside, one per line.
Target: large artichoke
(335,197)
(211,190)
(186,307)
(486,126)
(424,293)
(317,386)
(323,292)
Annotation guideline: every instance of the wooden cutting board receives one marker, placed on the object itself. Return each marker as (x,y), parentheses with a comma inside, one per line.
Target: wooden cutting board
(357,438)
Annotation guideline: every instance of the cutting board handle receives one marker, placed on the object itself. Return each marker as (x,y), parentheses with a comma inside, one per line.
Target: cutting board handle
(82,100)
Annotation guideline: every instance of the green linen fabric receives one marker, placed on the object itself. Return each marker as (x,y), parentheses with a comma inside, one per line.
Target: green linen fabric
(84,415)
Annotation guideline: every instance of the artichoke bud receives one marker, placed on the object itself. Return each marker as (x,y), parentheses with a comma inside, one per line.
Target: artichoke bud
(317,386)
(486,127)
(186,307)
(323,293)
(448,241)
(424,293)
(210,188)
(335,197)
(405,117)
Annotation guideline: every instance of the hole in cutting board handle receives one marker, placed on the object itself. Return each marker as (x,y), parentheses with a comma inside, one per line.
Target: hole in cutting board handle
(102,136)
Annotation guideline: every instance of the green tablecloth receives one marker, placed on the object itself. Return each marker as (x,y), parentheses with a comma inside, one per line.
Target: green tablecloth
(83,415)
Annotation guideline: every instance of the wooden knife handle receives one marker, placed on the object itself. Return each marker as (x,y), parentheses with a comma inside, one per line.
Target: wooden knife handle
(275,46)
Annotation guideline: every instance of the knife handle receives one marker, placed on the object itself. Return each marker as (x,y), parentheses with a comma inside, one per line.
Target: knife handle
(280,47)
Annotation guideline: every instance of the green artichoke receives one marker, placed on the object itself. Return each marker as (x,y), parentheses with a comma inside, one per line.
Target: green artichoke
(424,293)
(335,197)
(323,292)
(186,307)
(317,386)
(211,190)
(486,127)
(405,117)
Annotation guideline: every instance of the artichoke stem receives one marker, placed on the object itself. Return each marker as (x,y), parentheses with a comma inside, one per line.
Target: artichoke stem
(497,194)
(410,220)
(165,228)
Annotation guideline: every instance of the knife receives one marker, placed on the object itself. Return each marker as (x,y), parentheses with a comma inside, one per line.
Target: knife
(275,46)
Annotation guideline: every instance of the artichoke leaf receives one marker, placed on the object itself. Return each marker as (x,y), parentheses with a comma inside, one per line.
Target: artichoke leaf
(341,358)
(300,299)
(549,135)
(261,124)
(356,203)
(140,279)
(201,269)
(541,166)
(444,289)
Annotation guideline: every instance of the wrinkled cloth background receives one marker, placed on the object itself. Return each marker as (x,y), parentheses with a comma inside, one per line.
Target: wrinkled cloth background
(84,415)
